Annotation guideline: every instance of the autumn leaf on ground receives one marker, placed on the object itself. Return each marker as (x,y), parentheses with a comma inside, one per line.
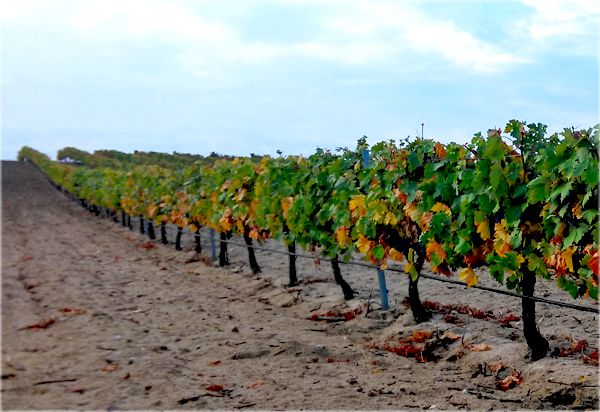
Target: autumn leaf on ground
(214,388)
(75,389)
(479,347)
(148,245)
(510,317)
(450,335)
(214,363)
(495,367)
(71,311)
(591,359)
(509,382)
(40,325)
(255,384)
(420,336)
(110,368)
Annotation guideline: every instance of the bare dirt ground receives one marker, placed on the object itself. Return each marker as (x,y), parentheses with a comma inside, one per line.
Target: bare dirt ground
(94,316)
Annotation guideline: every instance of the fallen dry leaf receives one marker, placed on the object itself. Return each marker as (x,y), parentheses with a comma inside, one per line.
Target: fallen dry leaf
(480,347)
(255,384)
(509,382)
(214,363)
(40,325)
(450,335)
(420,336)
(110,368)
(214,388)
(75,389)
(72,311)
(495,367)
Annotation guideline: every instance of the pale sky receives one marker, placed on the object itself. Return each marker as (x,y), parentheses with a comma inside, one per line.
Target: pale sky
(255,76)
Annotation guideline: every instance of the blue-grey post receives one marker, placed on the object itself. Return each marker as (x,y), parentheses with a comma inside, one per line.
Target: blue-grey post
(213,246)
(383,292)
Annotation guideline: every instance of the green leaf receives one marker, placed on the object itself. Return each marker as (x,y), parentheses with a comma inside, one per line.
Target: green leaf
(590,176)
(537,190)
(498,180)
(536,264)
(568,285)
(378,252)
(575,235)
(494,149)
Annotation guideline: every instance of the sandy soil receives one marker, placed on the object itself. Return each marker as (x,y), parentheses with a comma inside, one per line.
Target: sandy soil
(132,324)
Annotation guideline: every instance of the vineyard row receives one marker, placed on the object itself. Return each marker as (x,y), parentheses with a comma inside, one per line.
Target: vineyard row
(520,202)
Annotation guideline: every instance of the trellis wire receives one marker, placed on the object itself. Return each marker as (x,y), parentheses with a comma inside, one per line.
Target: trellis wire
(370,266)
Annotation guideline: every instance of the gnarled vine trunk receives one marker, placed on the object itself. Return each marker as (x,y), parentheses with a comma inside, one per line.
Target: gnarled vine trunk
(223,256)
(197,239)
(178,238)
(293,276)
(142,227)
(163,233)
(151,233)
(251,256)
(538,345)
(337,275)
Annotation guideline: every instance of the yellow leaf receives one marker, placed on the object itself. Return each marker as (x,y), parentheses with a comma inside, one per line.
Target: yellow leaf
(254,234)
(193,227)
(341,235)
(410,269)
(520,259)
(469,276)
(483,228)
(440,207)
(576,209)
(411,211)
(395,255)
(225,223)
(567,255)
(435,248)
(390,219)
(286,202)
(439,150)
(363,244)
(501,238)
(383,265)
(356,201)
(151,211)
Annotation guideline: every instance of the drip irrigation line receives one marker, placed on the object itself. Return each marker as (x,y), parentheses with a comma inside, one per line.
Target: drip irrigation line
(371,266)
(423,275)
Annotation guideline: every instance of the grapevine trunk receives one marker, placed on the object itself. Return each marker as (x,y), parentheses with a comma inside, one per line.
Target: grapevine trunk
(538,345)
(337,274)
(163,233)
(151,233)
(198,240)
(251,257)
(178,238)
(292,256)
(223,256)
